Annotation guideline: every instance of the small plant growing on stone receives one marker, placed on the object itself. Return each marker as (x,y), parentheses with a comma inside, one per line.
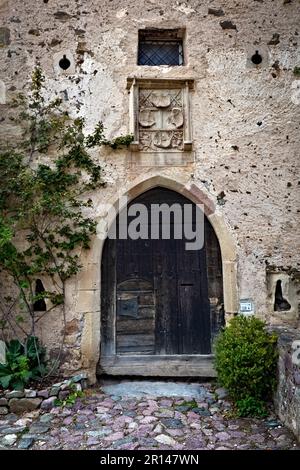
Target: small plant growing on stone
(251,407)
(296,71)
(246,364)
(120,141)
(71,399)
(23,363)
(189,404)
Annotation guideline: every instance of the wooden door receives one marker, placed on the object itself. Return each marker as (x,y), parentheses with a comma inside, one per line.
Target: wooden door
(156,316)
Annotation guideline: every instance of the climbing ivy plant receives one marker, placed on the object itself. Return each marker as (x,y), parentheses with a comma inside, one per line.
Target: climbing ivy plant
(45,178)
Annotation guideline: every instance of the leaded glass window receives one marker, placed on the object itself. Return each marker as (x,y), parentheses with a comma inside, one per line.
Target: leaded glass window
(160,47)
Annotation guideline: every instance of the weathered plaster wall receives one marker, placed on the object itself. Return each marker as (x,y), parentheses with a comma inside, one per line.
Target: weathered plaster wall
(245,121)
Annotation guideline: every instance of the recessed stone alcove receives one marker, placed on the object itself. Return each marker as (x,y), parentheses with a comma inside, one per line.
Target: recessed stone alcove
(283,303)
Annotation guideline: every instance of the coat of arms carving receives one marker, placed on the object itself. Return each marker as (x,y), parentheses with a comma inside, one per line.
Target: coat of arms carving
(160,115)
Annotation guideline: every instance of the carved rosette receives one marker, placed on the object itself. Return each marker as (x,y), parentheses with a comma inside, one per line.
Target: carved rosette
(160,115)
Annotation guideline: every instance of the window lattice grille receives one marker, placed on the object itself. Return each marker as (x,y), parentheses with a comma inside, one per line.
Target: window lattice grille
(160,53)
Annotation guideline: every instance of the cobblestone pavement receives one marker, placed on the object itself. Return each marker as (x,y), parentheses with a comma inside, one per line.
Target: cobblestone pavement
(102,421)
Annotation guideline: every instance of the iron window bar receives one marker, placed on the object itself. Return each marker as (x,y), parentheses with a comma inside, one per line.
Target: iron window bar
(156,52)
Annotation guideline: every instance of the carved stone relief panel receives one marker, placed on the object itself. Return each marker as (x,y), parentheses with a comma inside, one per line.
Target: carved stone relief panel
(160,117)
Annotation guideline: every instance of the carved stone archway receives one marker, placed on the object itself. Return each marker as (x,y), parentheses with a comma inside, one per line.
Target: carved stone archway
(88,291)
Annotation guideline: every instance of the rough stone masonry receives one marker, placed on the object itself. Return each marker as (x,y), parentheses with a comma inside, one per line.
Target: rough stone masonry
(244,118)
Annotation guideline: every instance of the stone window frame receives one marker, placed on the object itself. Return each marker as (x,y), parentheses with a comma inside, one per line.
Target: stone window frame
(160,36)
(133,86)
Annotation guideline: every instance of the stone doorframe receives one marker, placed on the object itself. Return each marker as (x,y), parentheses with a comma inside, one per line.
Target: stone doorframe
(88,299)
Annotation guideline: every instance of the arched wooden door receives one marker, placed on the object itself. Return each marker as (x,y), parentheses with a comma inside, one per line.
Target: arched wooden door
(161,304)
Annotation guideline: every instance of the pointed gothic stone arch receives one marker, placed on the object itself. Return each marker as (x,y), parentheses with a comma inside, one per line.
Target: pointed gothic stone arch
(88,294)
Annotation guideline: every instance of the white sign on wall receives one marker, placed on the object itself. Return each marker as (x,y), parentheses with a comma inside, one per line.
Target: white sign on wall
(246,307)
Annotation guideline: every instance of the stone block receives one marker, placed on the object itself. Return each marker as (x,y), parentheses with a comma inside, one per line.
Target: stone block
(226,240)
(15,394)
(63,394)
(30,393)
(9,440)
(89,277)
(21,405)
(25,442)
(90,344)
(43,393)
(88,300)
(230,287)
(55,389)
(48,404)
(287,397)
(79,377)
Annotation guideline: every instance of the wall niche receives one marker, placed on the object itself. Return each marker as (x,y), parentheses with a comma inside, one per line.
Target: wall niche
(283,296)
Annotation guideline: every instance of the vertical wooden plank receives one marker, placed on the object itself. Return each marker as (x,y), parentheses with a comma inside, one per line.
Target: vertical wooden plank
(215,280)
(166,298)
(169,285)
(204,317)
(108,299)
(194,308)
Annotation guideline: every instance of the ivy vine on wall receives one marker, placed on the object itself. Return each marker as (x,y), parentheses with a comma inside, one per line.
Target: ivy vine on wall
(44,205)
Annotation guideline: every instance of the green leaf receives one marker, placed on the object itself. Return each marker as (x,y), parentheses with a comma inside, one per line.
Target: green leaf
(14,348)
(4,370)
(17,384)
(5,380)
(24,285)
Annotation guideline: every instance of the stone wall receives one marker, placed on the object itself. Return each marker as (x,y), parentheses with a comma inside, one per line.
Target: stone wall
(287,399)
(244,120)
(21,401)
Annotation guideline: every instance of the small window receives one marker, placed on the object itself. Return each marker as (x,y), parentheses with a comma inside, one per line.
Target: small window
(160,47)
(40,304)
